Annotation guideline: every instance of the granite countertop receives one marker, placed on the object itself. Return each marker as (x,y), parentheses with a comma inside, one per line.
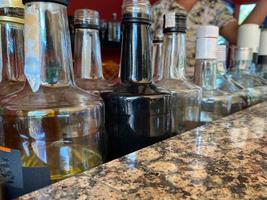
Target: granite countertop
(226,159)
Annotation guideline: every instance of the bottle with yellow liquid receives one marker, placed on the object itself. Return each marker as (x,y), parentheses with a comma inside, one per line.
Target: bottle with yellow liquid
(51,122)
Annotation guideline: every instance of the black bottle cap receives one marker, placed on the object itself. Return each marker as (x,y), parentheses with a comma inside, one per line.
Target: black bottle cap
(64,2)
(174,22)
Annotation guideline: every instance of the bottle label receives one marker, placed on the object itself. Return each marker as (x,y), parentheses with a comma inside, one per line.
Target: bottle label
(20,180)
(206,48)
(33,47)
(10,167)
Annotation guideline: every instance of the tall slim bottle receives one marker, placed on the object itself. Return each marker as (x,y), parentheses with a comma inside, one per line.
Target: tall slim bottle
(215,103)
(11,47)
(240,99)
(87,53)
(138,113)
(186,96)
(51,122)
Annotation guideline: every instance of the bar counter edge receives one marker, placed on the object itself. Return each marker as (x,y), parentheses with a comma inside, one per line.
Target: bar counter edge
(225,159)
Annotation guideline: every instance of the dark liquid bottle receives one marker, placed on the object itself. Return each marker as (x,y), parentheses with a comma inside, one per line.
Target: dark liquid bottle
(138,113)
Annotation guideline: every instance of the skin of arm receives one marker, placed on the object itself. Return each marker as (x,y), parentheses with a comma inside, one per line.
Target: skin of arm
(257,16)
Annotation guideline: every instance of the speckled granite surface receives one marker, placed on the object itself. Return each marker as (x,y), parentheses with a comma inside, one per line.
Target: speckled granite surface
(223,160)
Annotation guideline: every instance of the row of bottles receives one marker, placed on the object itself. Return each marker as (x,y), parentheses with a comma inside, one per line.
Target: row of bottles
(70,119)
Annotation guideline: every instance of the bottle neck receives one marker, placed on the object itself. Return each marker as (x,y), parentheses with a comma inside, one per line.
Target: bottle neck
(136,66)
(205,73)
(174,55)
(48,58)
(11,44)
(157,68)
(87,54)
(221,67)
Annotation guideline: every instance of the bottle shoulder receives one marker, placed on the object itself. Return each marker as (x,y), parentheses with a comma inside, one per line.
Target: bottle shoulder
(100,85)
(69,97)
(178,85)
(9,87)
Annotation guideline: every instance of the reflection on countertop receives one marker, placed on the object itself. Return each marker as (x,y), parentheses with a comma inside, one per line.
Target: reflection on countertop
(226,159)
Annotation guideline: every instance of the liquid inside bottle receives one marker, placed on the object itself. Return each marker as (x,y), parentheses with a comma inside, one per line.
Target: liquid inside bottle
(87,52)
(138,113)
(186,96)
(11,49)
(51,122)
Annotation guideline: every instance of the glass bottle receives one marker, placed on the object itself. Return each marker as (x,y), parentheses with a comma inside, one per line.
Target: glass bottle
(87,53)
(51,122)
(11,47)
(186,96)
(157,51)
(262,60)
(241,73)
(249,37)
(240,99)
(138,113)
(114,29)
(215,103)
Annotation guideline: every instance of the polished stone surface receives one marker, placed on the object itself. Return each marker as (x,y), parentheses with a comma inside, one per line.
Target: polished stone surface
(226,159)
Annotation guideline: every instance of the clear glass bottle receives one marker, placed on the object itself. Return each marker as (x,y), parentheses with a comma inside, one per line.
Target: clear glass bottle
(114,29)
(51,122)
(249,37)
(186,96)
(87,53)
(240,72)
(240,99)
(215,103)
(11,47)
(138,113)
(157,51)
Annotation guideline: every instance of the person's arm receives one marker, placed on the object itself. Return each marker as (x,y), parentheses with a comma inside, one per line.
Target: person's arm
(259,13)
(257,16)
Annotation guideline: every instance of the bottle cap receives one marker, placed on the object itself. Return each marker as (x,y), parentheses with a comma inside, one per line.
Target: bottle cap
(11,4)
(174,22)
(15,16)
(137,9)
(64,2)
(221,53)
(206,47)
(249,37)
(263,43)
(86,18)
(244,54)
(207,31)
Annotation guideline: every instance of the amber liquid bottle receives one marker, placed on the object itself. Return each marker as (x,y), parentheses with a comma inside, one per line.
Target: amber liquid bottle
(11,47)
(138,113)
(51,122)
